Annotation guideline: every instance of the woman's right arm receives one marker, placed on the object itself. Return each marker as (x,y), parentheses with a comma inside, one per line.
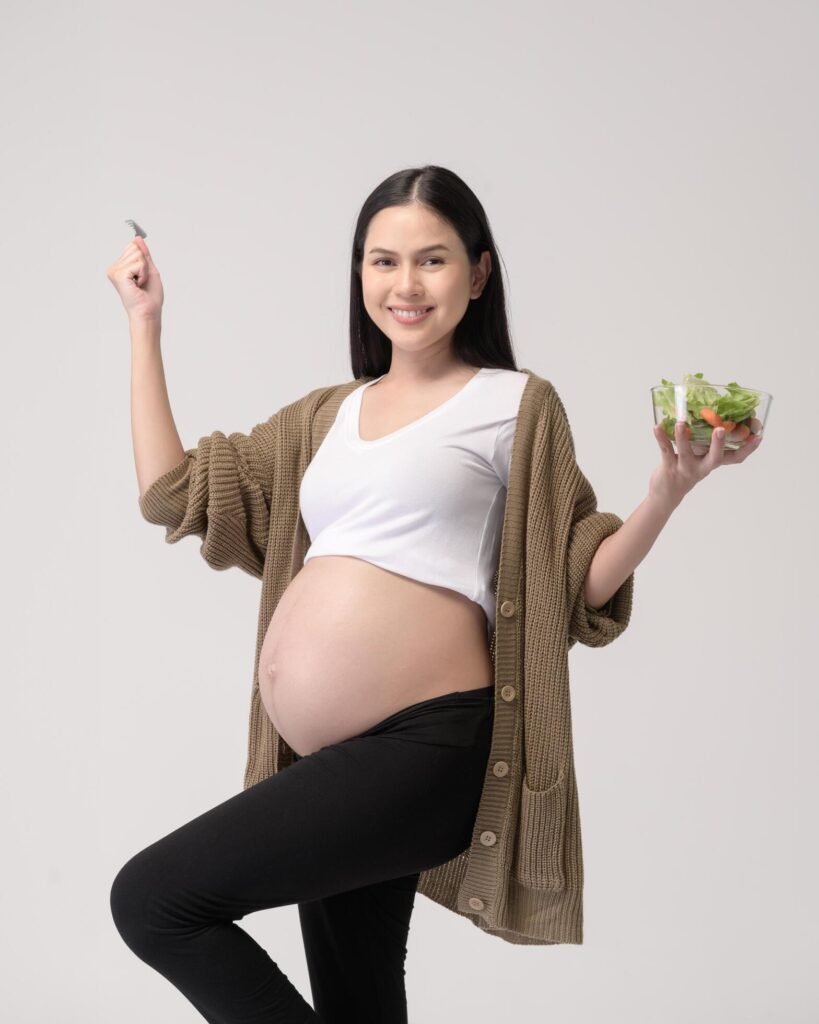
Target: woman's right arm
(157,447)
(219,491)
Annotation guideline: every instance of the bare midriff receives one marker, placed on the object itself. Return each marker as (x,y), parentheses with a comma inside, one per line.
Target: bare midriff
(351,643)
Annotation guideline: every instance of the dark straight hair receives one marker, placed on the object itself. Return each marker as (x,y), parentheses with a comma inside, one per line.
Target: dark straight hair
(482,336)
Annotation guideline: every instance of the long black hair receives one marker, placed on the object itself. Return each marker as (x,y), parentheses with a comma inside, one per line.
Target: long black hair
(482,337)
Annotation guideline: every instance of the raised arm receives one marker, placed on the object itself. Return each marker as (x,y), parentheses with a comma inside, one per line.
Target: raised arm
(219,491)
(157,447)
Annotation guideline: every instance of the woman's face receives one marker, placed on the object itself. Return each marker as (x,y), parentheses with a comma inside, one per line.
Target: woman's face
(414,259)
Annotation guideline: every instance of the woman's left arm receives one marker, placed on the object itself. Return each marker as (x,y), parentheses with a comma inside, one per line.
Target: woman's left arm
(618,555)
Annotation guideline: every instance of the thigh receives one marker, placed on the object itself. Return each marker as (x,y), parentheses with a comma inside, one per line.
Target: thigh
(370,809)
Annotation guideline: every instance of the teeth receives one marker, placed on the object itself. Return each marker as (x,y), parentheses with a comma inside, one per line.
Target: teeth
(409,315)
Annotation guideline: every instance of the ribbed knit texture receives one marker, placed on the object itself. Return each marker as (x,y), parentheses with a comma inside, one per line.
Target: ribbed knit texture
(521,878)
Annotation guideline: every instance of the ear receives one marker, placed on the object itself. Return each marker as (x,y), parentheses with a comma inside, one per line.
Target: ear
(480,273)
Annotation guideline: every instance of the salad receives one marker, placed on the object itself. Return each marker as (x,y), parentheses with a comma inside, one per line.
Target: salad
(732,407)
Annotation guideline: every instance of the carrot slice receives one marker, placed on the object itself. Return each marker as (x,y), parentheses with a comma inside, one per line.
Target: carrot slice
(710,416)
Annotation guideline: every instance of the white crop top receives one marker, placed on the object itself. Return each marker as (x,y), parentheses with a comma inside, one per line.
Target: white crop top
(427,500)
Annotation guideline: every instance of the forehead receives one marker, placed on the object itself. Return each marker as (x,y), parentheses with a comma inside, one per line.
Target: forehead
(408,226)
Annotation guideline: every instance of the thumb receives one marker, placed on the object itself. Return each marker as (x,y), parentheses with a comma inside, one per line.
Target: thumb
(140,241)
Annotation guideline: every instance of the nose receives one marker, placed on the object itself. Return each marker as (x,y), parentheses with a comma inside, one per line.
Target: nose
(409,288)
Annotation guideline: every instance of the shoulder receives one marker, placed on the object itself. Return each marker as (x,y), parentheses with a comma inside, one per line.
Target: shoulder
(544,412)
(548,396)
(539,395)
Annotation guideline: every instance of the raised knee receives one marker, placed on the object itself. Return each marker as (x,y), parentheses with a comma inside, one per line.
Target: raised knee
(132,893)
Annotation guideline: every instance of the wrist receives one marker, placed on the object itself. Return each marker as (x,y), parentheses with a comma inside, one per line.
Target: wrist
(663,504)
(145,327)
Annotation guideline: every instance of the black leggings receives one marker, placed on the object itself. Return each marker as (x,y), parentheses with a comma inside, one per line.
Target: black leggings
(344,833)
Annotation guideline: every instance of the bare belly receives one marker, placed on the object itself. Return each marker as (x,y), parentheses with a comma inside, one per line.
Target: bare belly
(351,643)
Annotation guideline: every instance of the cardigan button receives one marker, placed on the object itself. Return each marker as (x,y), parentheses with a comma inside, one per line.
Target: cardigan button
(500,768)
(508,692)
(476,902)
(488,838)
(507,608)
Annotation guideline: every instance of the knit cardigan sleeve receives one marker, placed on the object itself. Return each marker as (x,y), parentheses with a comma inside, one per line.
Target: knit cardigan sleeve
(588,527)
(221,493)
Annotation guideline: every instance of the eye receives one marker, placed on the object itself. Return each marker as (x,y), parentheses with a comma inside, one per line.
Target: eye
(386,259)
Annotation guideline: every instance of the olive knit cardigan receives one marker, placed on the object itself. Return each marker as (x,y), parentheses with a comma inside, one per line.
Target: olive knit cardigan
(521,878)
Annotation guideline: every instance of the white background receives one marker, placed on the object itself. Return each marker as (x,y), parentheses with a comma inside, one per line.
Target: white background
(650,174)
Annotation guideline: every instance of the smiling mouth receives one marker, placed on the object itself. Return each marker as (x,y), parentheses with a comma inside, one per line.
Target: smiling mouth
(410,314)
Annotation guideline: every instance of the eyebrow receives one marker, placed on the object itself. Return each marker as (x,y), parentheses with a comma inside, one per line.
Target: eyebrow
(427,248)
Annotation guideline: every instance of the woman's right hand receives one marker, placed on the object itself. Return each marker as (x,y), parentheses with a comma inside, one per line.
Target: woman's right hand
(136,279)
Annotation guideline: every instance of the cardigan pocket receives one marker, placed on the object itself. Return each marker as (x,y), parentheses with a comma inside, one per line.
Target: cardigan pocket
(539,856)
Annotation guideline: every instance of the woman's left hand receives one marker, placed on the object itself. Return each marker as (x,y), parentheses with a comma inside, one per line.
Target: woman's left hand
(678,473)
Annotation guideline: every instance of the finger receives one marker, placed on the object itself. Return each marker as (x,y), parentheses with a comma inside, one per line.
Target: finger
(745,451)
(664,441)
(135,267)
(139,244)
(682,437)
(131,251)
(716,453)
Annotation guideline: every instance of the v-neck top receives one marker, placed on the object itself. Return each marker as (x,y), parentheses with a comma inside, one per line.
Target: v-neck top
(426,500)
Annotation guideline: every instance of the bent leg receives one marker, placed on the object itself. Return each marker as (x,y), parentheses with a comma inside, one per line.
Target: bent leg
(174,904)
(366,811)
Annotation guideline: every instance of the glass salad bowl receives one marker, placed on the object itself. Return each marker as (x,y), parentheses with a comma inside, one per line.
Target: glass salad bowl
(741,411)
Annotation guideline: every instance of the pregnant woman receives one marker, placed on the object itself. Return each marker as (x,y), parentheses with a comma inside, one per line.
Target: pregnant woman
(375,667)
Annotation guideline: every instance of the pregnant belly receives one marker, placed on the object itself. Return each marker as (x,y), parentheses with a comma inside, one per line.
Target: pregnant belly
(351,643)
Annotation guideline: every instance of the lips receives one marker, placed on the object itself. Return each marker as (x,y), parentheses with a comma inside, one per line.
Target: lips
(418,318)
